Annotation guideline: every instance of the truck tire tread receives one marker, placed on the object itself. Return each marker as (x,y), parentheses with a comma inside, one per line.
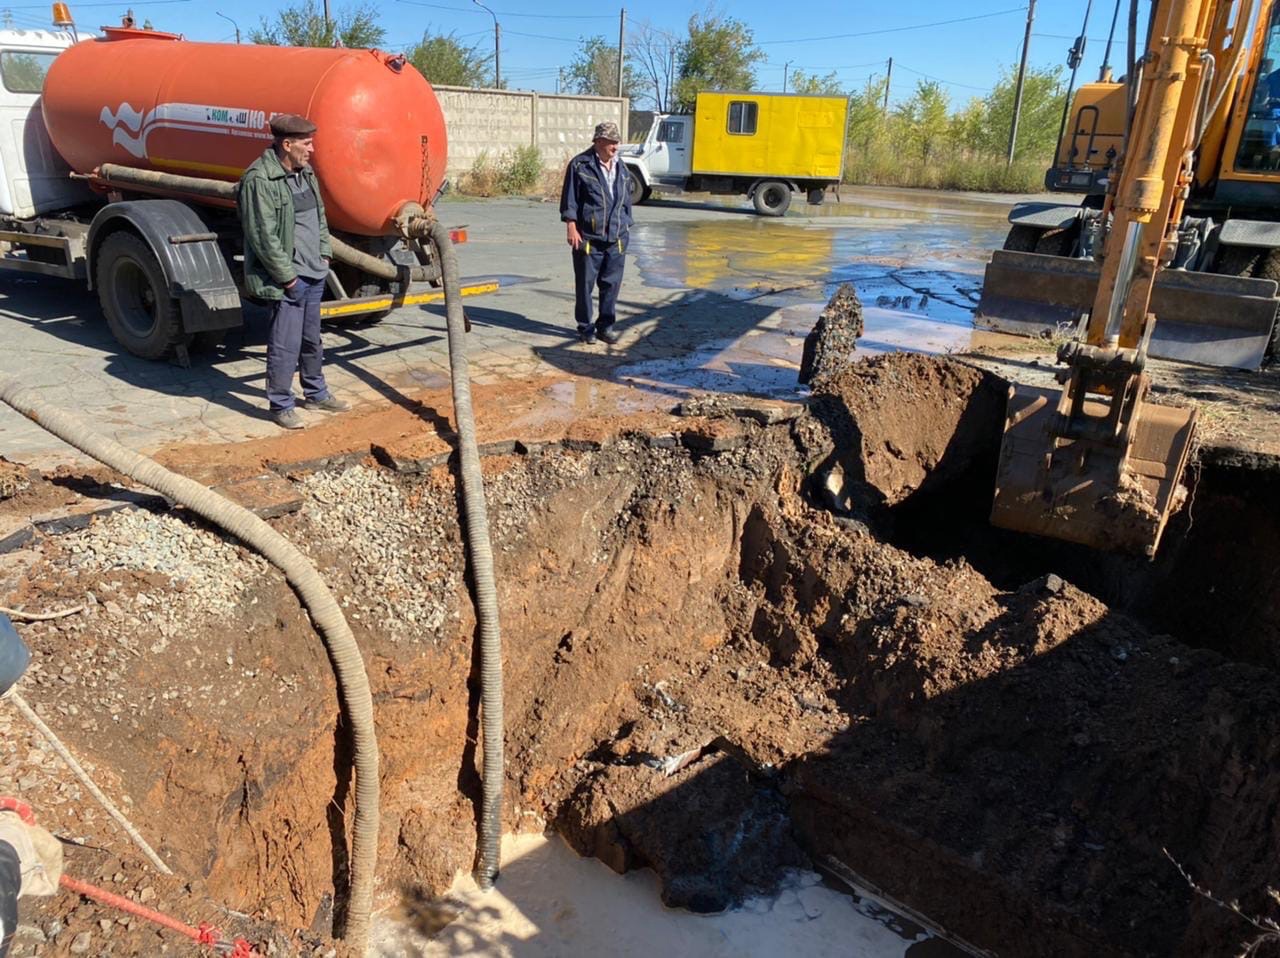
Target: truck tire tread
(132,288)
(772,198)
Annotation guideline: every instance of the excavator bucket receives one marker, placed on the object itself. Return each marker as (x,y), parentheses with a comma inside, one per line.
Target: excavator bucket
(1109,496)
(1202,318)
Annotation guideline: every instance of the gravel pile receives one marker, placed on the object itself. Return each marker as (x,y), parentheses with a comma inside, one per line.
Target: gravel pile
(395,540)
(210,573)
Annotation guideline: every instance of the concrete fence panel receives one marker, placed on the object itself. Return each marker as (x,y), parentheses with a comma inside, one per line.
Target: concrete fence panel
(498,121)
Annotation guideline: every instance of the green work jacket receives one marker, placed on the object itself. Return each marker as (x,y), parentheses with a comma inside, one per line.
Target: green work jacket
(266,216)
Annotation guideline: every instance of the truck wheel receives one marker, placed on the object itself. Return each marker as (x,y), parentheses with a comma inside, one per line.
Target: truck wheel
(816,196)
(639,192)
(135,298)
(772,198)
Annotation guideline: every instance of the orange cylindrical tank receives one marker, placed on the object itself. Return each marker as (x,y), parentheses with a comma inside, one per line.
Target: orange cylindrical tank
(153,100)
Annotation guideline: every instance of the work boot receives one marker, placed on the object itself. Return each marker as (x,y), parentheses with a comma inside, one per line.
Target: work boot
(587,335)
(610,335)
(288,419)
(330,403)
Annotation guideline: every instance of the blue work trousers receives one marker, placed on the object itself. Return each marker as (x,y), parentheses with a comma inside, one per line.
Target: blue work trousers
(293,344)
(598,266)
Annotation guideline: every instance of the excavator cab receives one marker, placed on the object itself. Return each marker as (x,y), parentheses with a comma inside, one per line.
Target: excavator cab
(1097,462)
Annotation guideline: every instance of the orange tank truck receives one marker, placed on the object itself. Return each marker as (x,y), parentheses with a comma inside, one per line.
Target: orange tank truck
(153,100)
(119,157)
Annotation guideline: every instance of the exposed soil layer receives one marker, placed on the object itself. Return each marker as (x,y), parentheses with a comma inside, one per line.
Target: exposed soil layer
(709,672)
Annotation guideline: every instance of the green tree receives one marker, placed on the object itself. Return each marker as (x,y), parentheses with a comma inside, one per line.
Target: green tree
(921,123)
(303,25)
(814,85)
(866,114)
(443,59)
(594,71)
(720,53)
(1042,94)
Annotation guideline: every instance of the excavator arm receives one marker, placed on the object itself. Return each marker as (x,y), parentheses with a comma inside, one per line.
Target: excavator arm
(1096,462)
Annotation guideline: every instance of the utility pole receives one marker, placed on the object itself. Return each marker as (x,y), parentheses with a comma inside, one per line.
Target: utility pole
(1104,71)
(671,72)
(622,32)
(327,21)
(785,67)
(888,79)
(497,45)
(1022,74)
(230,21)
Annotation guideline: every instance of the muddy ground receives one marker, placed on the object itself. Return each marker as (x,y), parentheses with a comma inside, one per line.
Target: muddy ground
(733,644)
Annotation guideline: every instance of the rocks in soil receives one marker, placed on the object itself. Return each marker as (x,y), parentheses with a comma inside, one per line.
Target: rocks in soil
(829,347)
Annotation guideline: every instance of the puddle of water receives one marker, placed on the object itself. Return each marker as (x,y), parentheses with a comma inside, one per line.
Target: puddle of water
(550,902)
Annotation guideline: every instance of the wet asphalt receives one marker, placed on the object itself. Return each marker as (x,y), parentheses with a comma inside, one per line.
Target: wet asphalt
(715,299)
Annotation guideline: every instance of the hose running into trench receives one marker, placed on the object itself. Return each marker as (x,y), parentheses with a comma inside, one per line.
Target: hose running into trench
(481,554)
(353,682)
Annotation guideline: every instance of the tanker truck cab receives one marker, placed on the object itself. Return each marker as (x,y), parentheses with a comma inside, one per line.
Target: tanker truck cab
(34,179)
(765,146)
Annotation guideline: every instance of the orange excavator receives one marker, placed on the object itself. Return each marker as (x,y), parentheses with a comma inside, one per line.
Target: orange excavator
(1096,462)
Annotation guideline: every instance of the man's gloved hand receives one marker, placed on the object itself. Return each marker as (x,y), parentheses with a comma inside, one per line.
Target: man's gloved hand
(39,854)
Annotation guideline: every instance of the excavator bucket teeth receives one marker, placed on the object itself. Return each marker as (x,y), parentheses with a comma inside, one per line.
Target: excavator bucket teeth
(1202,318)
(1084,491)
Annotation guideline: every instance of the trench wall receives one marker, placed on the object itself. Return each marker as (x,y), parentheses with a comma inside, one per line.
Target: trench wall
(497,121)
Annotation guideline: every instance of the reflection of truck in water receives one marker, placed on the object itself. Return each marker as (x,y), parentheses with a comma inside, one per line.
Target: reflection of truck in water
(120,156)
(764,146)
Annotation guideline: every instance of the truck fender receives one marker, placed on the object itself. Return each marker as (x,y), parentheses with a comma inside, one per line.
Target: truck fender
(637,165)
(1045,216)
(187,251)
(1256,233)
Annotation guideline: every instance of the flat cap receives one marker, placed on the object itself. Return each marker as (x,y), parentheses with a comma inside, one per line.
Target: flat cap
(608,130)
(290,124)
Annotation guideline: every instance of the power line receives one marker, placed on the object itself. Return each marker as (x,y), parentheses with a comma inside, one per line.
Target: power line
(542,36)
(873,33)
(967,86)
(508,13)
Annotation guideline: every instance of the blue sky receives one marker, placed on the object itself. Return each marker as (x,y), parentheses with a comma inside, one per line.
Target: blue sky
(540,37)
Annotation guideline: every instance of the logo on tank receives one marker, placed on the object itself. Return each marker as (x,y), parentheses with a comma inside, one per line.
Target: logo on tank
(130,128)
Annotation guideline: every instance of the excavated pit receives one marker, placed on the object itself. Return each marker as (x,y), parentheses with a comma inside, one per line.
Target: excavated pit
(731,649)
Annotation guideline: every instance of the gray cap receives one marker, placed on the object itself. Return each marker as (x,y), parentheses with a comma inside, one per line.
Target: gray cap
(608,130)
(290,124)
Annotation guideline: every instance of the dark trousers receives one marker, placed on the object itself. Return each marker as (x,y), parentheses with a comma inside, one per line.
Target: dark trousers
(597,266)
(293,344)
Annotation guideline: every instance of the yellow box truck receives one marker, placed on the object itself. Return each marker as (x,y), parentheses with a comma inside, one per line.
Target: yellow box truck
(765,146)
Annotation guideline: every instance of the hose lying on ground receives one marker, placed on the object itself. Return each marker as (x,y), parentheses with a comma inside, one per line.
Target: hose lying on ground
(481,554)
(353,682)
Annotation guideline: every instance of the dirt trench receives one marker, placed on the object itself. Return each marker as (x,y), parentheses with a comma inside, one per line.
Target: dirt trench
(719,665)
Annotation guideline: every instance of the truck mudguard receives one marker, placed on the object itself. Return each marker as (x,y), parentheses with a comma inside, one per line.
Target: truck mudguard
(188,253)
(1257,233)
(1048,216)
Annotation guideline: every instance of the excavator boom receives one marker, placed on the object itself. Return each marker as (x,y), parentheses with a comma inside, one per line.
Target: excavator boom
(1100,464)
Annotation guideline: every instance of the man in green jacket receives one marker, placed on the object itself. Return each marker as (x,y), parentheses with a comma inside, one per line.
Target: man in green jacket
(286,261)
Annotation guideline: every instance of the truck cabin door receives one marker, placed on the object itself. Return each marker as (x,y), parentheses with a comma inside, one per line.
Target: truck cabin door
(670,158)
(33,178)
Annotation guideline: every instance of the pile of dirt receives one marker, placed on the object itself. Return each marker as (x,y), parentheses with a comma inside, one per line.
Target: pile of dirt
(706,674)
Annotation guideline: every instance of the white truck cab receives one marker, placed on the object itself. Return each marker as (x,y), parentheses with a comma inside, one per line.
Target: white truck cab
(34,179)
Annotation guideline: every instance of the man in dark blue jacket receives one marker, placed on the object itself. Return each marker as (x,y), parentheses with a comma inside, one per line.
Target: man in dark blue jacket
(595,206)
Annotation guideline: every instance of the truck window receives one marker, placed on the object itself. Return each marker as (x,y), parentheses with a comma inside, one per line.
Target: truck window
(24,72)
(1260,139)
(742,117)
(669,132)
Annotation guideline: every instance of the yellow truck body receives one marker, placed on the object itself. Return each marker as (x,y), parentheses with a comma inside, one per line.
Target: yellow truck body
(770,134)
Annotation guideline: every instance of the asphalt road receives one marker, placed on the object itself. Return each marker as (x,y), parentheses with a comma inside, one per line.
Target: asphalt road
(715,299)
